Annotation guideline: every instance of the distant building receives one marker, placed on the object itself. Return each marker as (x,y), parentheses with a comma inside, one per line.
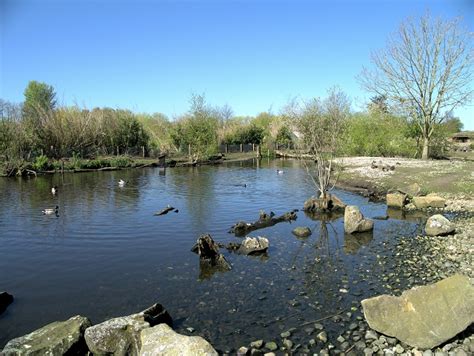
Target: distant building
(463,141)
(463,137)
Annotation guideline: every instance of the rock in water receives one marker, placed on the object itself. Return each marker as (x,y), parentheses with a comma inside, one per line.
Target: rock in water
(429,201)
(162,340)
(301,231)
(121,336)
(396,200)
(438,225)
(253,245)
(5,300)
(332,203)
(58,338)
(354,221)
(424,317)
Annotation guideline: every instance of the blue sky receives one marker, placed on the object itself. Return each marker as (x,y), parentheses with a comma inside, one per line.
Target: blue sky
(149,56)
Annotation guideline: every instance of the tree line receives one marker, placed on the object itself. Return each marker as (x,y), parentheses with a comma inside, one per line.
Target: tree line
(417,81)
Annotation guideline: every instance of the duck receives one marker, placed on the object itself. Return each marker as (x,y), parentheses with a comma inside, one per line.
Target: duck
(121,183)
(50,211)
(54,190)
(279,171)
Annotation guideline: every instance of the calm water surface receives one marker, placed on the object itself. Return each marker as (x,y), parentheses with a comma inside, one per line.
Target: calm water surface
(106,255)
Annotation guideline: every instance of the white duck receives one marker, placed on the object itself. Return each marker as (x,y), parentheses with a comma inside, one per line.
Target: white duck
(50,211)
(121,183)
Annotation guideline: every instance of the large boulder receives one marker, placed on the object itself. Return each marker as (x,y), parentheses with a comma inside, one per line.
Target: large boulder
(162,340)
(5,300)
(424,317)
(438,225)
(354,221)
(253,245)
(58,338)
(121,336)
(429,201)
(396,200)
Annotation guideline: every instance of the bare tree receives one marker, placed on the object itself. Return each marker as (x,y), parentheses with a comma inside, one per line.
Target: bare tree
(427,69)
(320,123)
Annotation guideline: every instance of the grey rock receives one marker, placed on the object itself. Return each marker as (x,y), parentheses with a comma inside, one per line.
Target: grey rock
(288,344)
(252,245)
(57,338)
(256,344)
(162,340)
(285,334)
(371,335)
(271,345)
(301,231)
(121,336)
(322,336)
(242,351)
(424,317)
(438,225)
(354,221)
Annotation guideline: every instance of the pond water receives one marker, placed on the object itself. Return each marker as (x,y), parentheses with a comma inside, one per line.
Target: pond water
(106,255)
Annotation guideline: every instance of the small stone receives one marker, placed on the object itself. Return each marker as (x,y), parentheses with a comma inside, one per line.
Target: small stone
(288,344)
(344,346)
(269,354)
(285,334)
(271,345)
(312,342)
(340,339)
(191,330)
(353,326)
(368,352)
(360,345)
(301,231)
(371,335)
(309,330)
(322,336)
(256,344)
(318,326)
(399,349)
(242,351)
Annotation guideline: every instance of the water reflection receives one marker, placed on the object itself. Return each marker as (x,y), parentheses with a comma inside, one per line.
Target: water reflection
(353,242)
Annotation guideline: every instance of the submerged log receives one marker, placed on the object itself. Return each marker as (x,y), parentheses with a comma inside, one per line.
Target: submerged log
(242,228)
(208,251)
(5,300)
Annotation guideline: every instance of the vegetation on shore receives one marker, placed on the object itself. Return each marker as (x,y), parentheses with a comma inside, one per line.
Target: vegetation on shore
(410,114)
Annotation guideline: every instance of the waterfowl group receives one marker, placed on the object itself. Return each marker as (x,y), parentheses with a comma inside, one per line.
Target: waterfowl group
(54,190)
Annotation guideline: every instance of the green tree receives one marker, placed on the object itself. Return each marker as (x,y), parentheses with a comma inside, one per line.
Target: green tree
(198,129)
(39,97)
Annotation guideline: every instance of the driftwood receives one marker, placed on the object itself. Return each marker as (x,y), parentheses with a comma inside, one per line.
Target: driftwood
(211,259)
(166,211)
(330,204)
(242,228)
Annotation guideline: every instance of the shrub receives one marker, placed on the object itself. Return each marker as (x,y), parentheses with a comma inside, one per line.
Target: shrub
(41,163)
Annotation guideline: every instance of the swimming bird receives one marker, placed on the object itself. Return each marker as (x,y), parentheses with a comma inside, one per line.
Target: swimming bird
(50,211)
(279,171)
(121,183)
(54,190)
